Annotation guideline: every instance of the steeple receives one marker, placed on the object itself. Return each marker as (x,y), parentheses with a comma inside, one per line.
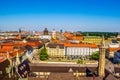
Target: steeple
(17,59)
(8,55)
(54,34)
(11,64)
(102,42)
(101,64)
(20,33)
(45,31)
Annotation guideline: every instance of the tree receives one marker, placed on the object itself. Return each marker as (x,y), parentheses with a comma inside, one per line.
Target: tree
(80,62)
(119,62)
(95,55)
(43,54)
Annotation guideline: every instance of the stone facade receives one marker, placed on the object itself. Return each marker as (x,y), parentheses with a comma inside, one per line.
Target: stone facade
(55,50)
(101,69)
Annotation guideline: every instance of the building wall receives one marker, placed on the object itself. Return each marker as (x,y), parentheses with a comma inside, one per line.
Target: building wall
(7,47)
(71,51)
(45,37)
(116,58)
(3,73)
(111,54)
(54,34)
(55,52)
(95,40)
(114,45)
(79,51)
(29,54)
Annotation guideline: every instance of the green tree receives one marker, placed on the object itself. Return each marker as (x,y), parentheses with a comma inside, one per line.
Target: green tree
(119,62)
(80,62)
(27,37)
(95,55)
(43,54)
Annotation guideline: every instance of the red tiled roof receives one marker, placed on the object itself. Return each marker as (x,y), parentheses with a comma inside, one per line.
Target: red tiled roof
(70,36)
(13,54)
(54,40)
(20,44)
(81,45)
(2,57)
(33,44)
(113,49)
(8,44)
(3,50)
(68,44)
(77,37)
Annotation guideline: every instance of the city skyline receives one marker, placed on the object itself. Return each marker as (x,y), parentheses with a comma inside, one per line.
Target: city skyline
(72,15)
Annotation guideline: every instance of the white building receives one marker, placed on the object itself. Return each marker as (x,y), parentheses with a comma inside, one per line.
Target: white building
(80,49)
(45,37)
(114,45)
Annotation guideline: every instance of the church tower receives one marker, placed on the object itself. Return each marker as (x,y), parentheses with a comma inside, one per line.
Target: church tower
(45,31)
(101,65)
(54,34)
(17,59)
(20,33)
(118,36)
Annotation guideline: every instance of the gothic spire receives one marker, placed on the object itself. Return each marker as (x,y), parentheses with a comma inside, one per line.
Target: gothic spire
(17,59)
(103,41)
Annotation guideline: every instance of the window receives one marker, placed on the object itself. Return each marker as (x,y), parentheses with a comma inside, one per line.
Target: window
(0,72)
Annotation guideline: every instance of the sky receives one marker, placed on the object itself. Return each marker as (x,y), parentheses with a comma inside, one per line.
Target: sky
(68,15)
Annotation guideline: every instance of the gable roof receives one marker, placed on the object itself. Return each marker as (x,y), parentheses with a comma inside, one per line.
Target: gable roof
(43,67)
(81,45)
(110,77)
(54,45)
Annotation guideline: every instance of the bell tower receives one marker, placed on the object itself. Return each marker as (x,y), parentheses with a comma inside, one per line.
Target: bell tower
(17,59)
(20,33)
(54,34)
(101,64)
(45,31)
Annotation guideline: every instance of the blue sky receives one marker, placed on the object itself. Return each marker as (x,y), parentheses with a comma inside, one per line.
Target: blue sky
(69,15)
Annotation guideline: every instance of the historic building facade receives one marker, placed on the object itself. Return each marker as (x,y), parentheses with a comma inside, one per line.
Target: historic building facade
(55,50)
(45,35)
(70,50)
(80,50)
(92,39)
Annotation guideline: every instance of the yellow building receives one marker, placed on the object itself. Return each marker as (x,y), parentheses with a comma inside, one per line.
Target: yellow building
(54,34)
(113,38)
(92,39)
(111,51)
(55,50)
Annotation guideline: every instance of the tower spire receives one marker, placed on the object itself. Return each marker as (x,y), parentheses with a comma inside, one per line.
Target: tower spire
(7,55)
(20,33)
(17,59)
(101,64)
(103,41)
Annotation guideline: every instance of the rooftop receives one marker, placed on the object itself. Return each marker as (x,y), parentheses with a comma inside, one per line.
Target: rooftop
(48,67)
